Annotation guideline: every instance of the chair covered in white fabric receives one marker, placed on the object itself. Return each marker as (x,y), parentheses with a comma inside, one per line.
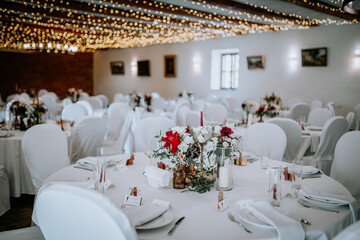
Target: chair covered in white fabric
(180,104)
(73,112)
(215,113)
(95,102)
(104,99)
(319,116)
(117,146)
(333,129)
(158,103)
(116,120)
(350,119)
(346,164)
(316,104)
(357,116)
(87,105)
(265,134)
(298,110)
(200,105)
(352,232)
(66,101)
(45,148)
(12,96)
(119,97)
(50,104)
(28,233)
(155,95)
(42,92)
(5,191)
(181,114)
(331,106)
(84,96)
(26,97)
(68,212)
(293,136)
(192,119)
(86,136)
(147,129)
(292,101)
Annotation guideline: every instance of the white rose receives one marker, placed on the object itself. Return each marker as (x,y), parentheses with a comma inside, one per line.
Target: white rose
(203,131)
(180,130)
(201,139)
(183,147)
(197,130)
(233,142)
(225,144)
(217,129)
(188,140)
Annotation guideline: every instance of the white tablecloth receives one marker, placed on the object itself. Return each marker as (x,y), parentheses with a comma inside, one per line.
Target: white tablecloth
(202,218)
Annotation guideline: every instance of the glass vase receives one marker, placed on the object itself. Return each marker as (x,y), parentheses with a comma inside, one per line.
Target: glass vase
(179,178)
(224,165)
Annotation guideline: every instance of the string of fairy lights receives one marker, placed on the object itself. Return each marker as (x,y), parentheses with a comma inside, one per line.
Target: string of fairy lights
(63,26)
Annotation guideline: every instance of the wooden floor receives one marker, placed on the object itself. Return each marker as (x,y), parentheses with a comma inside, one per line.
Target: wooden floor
(19,215)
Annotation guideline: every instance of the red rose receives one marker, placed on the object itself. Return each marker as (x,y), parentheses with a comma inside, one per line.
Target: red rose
(171,141)
(225,132)
(261,110)
(161,165)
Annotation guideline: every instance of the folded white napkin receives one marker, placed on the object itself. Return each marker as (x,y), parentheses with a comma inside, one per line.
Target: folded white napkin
(157,177)
(307,170)
(143,214)
(326,199)
(113,159)
(286,227)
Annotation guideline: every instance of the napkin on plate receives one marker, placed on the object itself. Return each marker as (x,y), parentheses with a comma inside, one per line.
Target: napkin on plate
(310,171)
(157,177)
(286,227)
(90,162)
(329,200)
(143,214)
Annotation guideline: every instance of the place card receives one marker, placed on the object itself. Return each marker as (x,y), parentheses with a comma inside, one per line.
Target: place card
(159,202)
(224,204)
(133,200)
(107,184)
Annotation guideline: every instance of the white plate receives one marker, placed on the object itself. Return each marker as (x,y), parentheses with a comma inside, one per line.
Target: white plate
(314,128)
(246,216)
(319,204)
(160,221)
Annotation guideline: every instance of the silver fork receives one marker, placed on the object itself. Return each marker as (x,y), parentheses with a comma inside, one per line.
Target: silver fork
(231,217)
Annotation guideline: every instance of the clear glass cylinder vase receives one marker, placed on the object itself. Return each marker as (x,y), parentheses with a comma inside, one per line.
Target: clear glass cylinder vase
(224,169)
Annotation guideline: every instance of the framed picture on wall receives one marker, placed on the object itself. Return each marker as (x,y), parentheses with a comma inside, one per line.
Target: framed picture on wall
(143,68)
(314,57)
(255,62)
(117,67)
(170,66)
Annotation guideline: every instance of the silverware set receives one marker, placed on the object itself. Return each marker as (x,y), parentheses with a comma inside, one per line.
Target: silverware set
(231,217)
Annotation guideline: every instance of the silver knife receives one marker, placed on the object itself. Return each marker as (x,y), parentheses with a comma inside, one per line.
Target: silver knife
(293,216)
(174,227)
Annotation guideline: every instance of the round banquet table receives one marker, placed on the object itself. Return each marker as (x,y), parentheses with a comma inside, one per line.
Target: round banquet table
(202,218)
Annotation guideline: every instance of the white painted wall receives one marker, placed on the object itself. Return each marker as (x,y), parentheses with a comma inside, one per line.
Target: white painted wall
(283,74)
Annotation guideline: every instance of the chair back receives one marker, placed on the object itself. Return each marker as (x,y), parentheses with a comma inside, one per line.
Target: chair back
(265,134)
(346,164)
(333,129)
(45,148)
(119,146)
(293,136)
(86,136)
(292,101)
(52,94)
(216,112)
(350,119)
(5,191)
(299,110)
(73,112)
(192,119)
(83,96)
(87,105)
(157,103)
(315,104)
(200,105)
(352,232)
(66,101)
(26,97)
(50,104)
(42,92)
(95,102)
(116,120)
(331,106)
(147,129)
(319,116)
(357,116)
(68,212)
(181,114)
(104,100)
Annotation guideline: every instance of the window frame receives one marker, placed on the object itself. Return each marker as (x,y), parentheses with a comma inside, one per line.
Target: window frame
(232,71)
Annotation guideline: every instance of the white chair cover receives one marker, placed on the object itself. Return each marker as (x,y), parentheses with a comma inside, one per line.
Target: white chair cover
(73,112)
(95,102)
(333,129)
(319,116)
(181,114)
(331,107)
(86,136)
(125,106)
(68,212)
(52,94)
(116,120)
(352,232)
(346,164)
(293,136)
(292,101)
(155,95)
(265,134)
(179,105)
(45,148)
(315,104)
(42,92)
(200,105)
(158,103)
(350,119)
(104,99)
(87,105)
(215,113)
(11,97)
(192,119)
(298,110)
(50,104)
(118,146)
(357,116)
(26,97)
(5,191)
(83,96)
(28,233)
(119,97)
(66,101)
(147,129)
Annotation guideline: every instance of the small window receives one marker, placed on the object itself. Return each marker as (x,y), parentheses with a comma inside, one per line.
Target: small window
(229,75)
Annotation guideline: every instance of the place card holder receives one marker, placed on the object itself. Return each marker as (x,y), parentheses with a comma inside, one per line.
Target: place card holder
(130,161)
(133,200)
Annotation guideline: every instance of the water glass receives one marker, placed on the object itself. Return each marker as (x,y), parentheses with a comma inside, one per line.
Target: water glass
(265,156)
(274,186)
(296,170)
(100,170)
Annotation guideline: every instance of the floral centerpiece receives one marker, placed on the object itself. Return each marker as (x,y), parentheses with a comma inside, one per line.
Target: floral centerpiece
(249,108)
(272,99)
(38,109)
(73,94)
(147,99)
(22,111)
(266,110)
(135,99)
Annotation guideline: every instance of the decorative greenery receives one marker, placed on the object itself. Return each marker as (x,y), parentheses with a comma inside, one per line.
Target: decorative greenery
(201,182)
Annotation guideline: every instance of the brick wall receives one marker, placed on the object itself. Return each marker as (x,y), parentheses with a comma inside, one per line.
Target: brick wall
(54,72)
